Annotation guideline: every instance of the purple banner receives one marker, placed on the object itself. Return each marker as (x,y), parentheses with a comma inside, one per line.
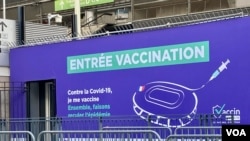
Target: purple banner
(203,69)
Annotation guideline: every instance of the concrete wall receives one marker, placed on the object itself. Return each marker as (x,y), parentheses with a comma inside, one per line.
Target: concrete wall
(160,11)
(4,72)
(242,3)
(4,94)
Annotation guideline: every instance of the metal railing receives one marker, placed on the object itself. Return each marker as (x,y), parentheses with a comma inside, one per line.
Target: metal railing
(132,134)
(163,132)
(194,137)
(198,130)
(113,134)
(201,133)
(98,135)
(17,136)
(142,25)
(98,123)
(185,19)
(201,124)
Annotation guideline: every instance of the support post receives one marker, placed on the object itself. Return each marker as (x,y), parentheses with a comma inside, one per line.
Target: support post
(78,17)
(21,25)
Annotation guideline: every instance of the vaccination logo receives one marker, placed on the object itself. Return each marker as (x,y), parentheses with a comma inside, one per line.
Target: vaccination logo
(232,115)
(163,101)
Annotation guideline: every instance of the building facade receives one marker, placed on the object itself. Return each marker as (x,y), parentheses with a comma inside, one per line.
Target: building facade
(110,16)
(121,10)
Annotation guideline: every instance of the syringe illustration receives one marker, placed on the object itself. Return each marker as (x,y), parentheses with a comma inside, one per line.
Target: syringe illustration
(222,67)
(163,101)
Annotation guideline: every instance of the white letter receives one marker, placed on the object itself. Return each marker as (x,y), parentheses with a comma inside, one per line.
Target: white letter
(119,60)
(87,62)
(229,132)
(236,132)
(127,60)
(141,57)
(199,52)
(188,53)
(135,55)
(174,51)
(166,56)
(109,61)
(72,64)
(102,61)
(94,63)
(242,132)
(80,63)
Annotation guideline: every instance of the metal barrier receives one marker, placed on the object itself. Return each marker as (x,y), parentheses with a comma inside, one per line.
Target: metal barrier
(120,133)
(164,132)
(36,125)
(196,133)
(201,130)
(17,136)
(98,135)
(211,137)
(201,125)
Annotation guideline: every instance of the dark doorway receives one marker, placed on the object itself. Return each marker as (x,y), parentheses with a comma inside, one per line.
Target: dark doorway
(41,104)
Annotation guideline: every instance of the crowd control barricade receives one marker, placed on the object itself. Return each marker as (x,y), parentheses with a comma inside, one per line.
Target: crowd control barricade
(201,130)
(194,137)
(164,132)
(196,133)
(99,135)
(16,136)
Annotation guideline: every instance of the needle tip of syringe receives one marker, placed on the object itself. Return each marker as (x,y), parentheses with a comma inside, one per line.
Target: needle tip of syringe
(202,86)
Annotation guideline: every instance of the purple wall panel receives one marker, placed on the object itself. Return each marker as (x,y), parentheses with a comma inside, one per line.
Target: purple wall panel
(155,90)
